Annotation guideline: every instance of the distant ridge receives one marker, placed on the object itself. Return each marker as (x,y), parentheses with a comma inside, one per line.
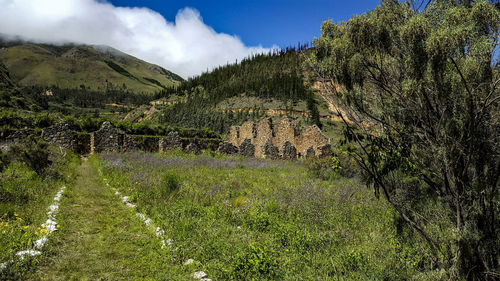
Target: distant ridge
(71,66)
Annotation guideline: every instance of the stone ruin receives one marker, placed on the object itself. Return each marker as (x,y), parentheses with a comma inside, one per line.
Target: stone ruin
(247,148)
(193,148)
(268,138)
(60,134)
(288,151)
(262,140)
(171,142)
(109,139)
(270,151)
(227,148)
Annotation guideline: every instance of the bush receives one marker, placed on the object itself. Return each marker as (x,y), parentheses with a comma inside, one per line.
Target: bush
(255,263)
(34,153)
(170,183)
(327,168)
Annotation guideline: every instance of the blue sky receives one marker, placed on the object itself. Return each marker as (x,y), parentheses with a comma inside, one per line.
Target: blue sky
(280,22)
(186,37)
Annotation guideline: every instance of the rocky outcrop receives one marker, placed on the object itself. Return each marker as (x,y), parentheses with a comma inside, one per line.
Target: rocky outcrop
(108,139)
(247,148)
(60,134)
(227,148)
(288,151)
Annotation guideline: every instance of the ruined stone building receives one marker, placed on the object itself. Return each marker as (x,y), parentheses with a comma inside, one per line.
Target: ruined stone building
(282,139)
(108,139)
(60,134)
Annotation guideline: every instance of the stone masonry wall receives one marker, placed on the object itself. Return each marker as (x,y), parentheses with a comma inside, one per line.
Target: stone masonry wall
(60,134)
(108,139)
(311,141)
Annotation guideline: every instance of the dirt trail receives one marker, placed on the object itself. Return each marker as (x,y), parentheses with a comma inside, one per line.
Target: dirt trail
(100,238)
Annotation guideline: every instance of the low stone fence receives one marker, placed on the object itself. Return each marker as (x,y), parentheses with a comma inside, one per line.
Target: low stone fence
(263,140)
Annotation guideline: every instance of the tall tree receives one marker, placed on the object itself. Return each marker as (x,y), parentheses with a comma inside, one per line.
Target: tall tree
(422,92)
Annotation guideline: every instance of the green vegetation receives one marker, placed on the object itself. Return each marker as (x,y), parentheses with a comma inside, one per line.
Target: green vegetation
(100,238)
(91,67)
(249,219)
(30,176)
(277,75)
(420,86)
(425,85)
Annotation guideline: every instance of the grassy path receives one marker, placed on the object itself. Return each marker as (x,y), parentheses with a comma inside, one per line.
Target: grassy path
(100,238)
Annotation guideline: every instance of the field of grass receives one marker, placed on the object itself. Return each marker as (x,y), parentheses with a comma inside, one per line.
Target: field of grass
(252,219)
(101,239)
(27,188)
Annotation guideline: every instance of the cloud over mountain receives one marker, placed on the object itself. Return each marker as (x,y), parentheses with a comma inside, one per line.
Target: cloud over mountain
(187,46)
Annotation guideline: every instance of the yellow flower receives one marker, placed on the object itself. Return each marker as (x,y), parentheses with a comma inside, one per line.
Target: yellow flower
(3,232)
(26,226)
(15,214)
(19,219)
(58,226)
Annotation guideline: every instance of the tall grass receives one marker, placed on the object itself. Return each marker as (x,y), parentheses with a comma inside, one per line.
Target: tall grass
(30,176)
(249,219)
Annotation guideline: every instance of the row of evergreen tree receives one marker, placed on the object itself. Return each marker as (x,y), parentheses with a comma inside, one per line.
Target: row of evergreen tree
(275,75)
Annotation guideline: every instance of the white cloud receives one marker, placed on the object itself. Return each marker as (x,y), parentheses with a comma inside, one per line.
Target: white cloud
(187,46)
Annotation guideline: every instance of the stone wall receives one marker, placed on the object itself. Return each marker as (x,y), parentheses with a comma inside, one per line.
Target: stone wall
(60,134)
(312,137)
(310,143)
(108,139)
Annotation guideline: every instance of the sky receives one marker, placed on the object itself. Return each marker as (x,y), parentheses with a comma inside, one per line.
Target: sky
(186,37)
(263,22)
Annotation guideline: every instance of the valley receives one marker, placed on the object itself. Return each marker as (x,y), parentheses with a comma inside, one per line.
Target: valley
(370,153)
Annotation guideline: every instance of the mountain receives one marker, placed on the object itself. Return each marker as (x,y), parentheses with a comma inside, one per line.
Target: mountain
(77,66)
(5,80)
(263,85)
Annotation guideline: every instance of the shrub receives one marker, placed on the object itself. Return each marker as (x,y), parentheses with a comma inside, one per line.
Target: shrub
(34,153)
(327,168)
(170,183)
(255,263)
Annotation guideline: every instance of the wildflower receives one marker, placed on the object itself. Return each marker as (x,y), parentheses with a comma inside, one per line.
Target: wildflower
(58,226)
(15,214)
(26,226)
(19,219)
(3,232)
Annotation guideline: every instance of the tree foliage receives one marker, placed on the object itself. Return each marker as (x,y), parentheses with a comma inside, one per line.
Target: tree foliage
(421,88)
(276,75)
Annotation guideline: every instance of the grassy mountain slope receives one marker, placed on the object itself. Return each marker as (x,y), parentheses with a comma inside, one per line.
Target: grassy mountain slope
(263,85)
(75,66)
(5,80)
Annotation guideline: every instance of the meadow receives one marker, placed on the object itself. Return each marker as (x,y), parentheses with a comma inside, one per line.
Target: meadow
(30,176)
(254,219)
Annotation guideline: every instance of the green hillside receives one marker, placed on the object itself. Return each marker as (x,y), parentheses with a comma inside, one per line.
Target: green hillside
(5,80)
(78,66)
(262,85)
